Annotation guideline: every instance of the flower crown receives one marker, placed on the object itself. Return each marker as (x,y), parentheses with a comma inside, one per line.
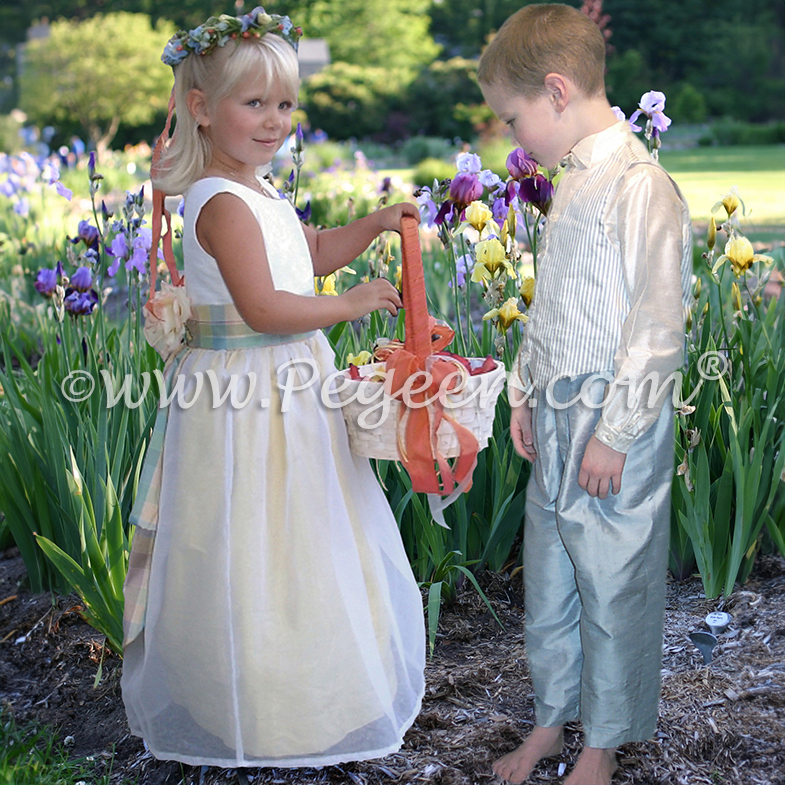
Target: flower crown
(217,30)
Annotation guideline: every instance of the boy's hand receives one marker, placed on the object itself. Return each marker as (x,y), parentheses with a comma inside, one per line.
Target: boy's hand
(521,426)
(390,217)
(601,469)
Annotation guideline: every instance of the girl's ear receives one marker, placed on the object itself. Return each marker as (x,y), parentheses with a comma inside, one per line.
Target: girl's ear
(197,106)
(558,89)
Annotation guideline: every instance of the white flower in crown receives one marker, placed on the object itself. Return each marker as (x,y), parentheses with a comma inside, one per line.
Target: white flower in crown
(165,317)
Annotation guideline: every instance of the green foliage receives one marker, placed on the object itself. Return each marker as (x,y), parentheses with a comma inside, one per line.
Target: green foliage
(10,141)
(418,148)
(31,756)
(375,33)
(627,78)
(689,105)
(432,169)
(729,133)
(97,73)
(441,97)
(348,100)
(730,441)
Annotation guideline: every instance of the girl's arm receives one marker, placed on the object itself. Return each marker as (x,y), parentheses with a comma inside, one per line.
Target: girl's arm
(229,232)
(332,249)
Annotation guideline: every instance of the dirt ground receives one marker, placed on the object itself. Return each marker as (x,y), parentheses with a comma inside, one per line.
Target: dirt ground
(719,723)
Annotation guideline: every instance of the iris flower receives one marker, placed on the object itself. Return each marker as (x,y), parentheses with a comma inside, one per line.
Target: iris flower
(82,279)
(527,290)
(520,165)
(465,189)
(652,105)
(537,190)
(491,261)
(478,215)
(731,202)
(46,281)
(740,253)
(506,315)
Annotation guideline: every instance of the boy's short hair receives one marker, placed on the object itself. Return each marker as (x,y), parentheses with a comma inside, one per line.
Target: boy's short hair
(542,39)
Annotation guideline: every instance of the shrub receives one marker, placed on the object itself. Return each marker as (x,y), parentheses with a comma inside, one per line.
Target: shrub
(441,97)
(418,148)
(738,133)
(689,105)
(346,100)
(432,169)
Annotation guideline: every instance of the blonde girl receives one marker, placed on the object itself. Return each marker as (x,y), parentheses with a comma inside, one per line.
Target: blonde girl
(272,618)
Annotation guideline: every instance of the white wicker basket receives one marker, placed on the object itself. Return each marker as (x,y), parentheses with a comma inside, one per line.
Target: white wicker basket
(372,417)
(373,426)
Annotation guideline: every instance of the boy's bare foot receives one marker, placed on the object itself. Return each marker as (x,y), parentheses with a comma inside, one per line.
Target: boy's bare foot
(516,766)
(595,766)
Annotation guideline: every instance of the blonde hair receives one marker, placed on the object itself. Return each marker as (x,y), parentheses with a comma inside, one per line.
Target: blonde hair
(218,74)
(542,39)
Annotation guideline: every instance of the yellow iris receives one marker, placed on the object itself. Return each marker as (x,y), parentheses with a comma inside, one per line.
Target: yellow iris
(712,236)
(361,358)
(491,261)
(740,253)
(478,215)
(731,202)
(328,285)
(527,290)
(735,294)
(506,315)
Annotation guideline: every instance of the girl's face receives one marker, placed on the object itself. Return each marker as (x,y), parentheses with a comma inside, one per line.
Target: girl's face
(248,126)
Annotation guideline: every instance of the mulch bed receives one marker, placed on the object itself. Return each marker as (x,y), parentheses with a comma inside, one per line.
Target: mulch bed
(719,723)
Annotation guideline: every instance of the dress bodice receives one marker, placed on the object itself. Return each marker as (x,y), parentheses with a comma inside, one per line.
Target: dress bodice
(288,254)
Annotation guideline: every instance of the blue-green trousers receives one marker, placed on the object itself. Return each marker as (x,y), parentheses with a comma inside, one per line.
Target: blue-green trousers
(594,574)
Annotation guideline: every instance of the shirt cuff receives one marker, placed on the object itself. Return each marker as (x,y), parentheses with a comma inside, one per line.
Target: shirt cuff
(610,437)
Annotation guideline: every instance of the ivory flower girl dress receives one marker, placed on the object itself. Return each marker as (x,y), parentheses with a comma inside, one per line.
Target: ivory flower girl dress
(272,618)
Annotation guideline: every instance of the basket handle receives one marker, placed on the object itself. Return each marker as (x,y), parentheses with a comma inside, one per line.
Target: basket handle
(416,319)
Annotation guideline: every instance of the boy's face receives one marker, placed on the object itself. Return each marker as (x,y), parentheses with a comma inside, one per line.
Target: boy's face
(534,122)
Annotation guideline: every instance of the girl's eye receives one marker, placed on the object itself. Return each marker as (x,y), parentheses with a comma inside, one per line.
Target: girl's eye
(285,105)
(254,102)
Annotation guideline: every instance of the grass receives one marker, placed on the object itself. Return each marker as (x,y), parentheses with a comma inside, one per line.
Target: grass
(31,756)
(705,174)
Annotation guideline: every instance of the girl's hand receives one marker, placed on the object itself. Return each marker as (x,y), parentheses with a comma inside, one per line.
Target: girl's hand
(372,296)
(390,217)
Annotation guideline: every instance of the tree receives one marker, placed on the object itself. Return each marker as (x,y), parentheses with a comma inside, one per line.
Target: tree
(98,73)
(366,32)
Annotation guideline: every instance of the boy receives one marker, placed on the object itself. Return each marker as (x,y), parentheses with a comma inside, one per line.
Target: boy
(613,279)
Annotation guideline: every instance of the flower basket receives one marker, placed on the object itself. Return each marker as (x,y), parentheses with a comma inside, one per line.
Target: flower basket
(422,405)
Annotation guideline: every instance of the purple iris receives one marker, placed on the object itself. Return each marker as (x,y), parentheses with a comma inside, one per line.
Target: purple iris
(46,281)
(499,210)
(618,112)
(468,162)
(446,213)
(465,189)
(428,209)
(520,165)
(80,303)
(386,185)
(87,233)
(463,268)
(537,190)
(305,214)
(91,165)
(82,279)
(652,105)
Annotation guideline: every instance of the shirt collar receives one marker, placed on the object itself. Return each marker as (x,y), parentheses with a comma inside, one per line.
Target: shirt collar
(594,148)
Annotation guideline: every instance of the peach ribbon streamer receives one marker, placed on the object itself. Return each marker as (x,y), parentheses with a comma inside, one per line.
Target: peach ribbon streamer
(159,213)
(408,369)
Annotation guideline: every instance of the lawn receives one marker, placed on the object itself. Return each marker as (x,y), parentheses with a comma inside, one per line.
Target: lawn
(704,174)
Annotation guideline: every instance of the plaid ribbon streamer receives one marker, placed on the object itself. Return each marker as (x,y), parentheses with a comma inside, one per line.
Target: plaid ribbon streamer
(218,327)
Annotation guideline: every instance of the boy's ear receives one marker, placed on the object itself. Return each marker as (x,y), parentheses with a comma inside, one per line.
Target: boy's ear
(558,89)
(197,106)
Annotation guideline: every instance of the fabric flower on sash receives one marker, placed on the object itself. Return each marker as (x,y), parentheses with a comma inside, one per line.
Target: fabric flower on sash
(164,319)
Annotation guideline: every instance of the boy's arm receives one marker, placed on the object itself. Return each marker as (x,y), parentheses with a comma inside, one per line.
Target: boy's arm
(654,234)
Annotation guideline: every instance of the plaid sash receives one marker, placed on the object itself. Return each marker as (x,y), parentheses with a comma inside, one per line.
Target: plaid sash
(211,327)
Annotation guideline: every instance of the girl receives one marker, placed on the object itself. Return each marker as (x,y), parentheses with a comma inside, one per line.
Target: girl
(276,621)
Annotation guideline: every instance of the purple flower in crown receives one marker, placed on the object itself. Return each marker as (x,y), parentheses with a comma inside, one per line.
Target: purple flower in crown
(82,279)
(652,105)
(174,51)
(520,165)
(468,162)
(537,190)
(46,281)
(465,189)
